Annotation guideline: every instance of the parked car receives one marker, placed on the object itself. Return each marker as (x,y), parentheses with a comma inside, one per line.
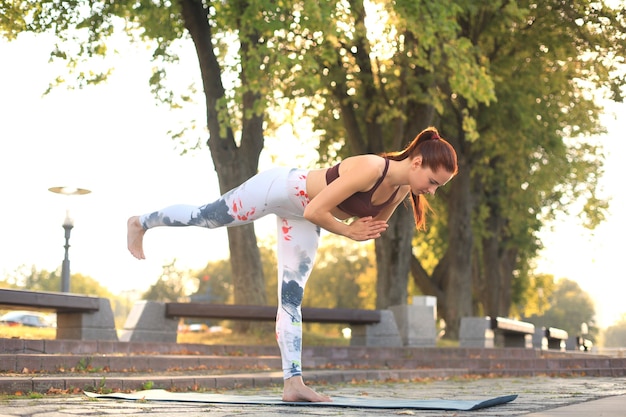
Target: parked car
(27,318)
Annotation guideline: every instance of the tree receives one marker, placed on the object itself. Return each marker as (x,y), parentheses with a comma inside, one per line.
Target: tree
(534,298)
(380,70)
(33,279)
(238,59)
(173,285)
(546,164)
(343,275)
(525,155)
(569,307)
(507,82)
(268,39)
(386,71)
(214,283)
(615,335)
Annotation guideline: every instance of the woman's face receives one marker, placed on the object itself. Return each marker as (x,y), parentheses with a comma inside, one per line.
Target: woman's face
(423,180)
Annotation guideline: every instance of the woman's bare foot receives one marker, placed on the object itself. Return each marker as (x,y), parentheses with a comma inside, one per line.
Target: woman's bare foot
(296,391)
(134,237)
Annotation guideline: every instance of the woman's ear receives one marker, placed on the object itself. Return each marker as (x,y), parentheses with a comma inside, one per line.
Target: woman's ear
(417,161)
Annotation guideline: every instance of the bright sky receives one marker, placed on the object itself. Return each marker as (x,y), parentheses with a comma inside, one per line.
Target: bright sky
(594,258)
(112,140)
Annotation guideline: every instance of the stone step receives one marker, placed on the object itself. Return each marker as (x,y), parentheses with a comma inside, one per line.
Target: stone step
(17,355)
(335,353)
(195,382)
(44,365)
(57,363)
(129,363)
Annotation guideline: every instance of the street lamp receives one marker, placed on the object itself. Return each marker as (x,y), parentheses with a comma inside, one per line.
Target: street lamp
(68,224)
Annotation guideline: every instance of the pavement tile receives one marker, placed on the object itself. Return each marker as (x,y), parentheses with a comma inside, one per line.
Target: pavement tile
(537,397)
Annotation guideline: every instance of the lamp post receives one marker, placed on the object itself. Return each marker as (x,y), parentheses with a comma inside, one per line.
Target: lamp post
(68,224)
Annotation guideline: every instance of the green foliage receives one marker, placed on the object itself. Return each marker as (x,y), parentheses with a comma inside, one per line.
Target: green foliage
(512,84)
(615,335)
(344,276)
(41,280)
(569,307)
(533,158)
(30,278)
(214,283)
(536,296)
(173,285)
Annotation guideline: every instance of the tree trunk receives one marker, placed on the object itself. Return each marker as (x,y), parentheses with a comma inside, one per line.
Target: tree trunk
(507,264)
(393,252)
(233,164)
(498,264)
(457,282)
(490,291)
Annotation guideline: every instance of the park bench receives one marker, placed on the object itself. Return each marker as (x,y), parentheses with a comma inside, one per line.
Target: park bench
(79,317)
(578,343)
(550,338)
(489,332)
(268,313)
(157,321)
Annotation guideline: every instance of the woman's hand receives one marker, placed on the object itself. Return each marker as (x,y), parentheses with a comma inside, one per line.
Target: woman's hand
(366,228)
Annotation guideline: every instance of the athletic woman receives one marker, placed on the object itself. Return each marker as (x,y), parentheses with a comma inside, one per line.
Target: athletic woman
(354,198)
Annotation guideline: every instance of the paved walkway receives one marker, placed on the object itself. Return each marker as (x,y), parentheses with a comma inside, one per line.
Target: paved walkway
(538,397)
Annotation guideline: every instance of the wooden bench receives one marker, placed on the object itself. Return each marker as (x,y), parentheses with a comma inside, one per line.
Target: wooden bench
(155,321)
(268,313)
(490,332)
(579,343)
(514,333)
(550,338)
(79,317)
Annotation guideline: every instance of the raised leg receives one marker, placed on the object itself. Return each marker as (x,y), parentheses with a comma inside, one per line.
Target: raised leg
(134,237)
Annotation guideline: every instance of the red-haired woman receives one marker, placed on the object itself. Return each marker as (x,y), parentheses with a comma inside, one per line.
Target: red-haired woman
(354,198)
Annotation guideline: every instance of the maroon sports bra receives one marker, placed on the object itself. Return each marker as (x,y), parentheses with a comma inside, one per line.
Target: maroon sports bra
(360,204)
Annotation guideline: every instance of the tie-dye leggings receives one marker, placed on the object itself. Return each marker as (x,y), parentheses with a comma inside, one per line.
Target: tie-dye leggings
(279,191)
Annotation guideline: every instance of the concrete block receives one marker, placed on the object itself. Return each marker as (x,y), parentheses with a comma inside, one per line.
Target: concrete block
(426,301)
(382,334)
(416,323)
(99,325)
(540,341)
(572,343)
(147,322)
(476,332)
(508,339)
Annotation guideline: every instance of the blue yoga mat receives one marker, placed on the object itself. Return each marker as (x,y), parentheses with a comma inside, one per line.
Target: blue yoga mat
(352,402)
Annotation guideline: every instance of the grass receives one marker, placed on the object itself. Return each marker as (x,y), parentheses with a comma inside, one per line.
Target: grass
(25,332)
(266,337)
(317,336)
(259,338)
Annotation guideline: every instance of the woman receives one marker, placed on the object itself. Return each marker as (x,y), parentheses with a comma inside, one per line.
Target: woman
(364,188)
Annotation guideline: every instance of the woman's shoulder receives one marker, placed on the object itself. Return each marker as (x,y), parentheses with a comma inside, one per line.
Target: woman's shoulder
(371,164)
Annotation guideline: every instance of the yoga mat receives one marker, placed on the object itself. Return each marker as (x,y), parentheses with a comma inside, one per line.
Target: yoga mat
(351,402)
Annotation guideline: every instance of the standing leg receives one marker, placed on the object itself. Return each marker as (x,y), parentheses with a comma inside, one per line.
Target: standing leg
(297,246)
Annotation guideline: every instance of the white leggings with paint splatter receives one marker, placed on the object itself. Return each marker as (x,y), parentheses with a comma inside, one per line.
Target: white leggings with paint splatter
(279,191)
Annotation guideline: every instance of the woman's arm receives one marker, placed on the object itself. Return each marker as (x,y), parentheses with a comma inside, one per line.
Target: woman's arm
(357,174)
(386,212)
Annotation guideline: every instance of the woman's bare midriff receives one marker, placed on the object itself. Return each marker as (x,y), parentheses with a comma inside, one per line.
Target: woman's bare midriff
(315,183)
